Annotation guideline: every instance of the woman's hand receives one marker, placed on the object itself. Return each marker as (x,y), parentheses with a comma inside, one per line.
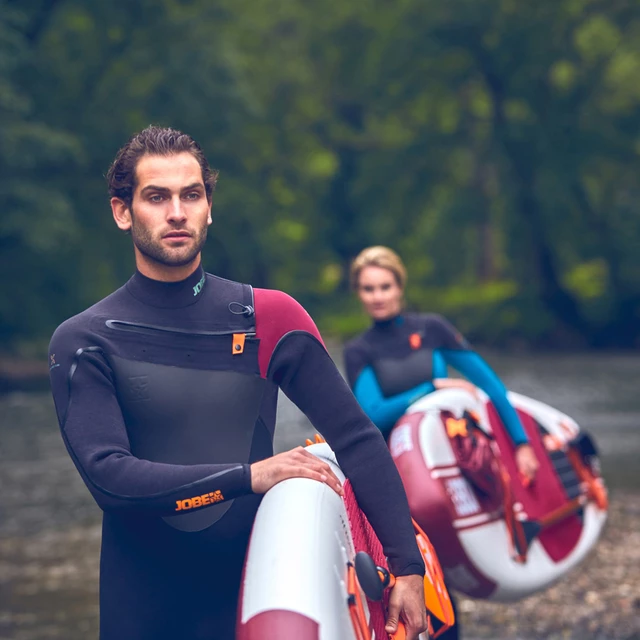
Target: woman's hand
(527,463)
(456,383)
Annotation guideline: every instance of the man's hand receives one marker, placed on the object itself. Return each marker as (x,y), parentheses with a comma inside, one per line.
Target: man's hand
(527,463)
(296,463)
(406,601)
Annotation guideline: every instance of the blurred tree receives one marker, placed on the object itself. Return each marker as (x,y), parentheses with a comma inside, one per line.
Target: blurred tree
(37,214)
(493,143)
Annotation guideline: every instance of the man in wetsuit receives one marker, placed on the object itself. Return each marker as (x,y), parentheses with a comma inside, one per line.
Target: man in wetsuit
(166,395)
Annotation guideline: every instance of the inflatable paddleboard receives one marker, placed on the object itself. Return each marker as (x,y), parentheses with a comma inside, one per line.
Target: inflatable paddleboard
(496,538)
(300,577)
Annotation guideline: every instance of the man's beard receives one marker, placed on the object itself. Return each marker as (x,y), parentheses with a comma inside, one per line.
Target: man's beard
(166,256)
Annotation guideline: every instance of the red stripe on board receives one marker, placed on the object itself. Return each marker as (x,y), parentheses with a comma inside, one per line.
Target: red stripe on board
(278,624)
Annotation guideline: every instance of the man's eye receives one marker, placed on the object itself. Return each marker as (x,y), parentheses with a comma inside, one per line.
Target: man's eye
(385,287)
(155,198)
(367,289)
(194,195)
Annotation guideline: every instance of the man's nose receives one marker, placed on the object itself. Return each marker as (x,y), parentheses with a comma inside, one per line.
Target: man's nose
(176,211)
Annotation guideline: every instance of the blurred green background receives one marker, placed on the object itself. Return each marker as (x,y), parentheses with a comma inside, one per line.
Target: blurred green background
(494,143)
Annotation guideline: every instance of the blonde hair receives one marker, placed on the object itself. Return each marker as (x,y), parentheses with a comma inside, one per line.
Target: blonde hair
(382,257)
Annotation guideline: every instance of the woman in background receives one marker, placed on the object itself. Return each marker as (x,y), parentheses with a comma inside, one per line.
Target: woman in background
(403,356)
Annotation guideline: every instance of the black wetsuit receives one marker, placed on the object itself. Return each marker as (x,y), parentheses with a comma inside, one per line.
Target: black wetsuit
(165,393)
(395,362)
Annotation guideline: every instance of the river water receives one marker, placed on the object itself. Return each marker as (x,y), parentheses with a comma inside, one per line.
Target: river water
(49,525)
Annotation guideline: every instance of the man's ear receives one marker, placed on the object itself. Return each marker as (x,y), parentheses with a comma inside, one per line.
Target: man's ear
(121,214)
(209,219)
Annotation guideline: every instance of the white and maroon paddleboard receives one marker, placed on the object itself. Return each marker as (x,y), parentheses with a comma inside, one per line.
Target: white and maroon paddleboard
(507,544)
(298,580)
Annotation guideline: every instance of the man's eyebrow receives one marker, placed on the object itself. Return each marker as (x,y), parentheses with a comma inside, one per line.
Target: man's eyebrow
(195,185)
(190,187)
(153,187)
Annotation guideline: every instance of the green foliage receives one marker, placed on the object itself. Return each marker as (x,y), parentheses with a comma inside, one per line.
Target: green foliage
(493,143)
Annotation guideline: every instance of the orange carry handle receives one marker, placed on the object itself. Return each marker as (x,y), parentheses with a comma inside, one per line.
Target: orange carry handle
(356,608)
(400,634)
(595,488)
(436,595)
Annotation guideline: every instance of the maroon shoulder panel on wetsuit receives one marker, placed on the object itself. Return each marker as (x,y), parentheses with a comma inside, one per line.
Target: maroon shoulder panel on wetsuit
(278,314)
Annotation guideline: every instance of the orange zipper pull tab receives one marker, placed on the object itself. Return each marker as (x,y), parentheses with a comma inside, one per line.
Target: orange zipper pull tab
(238,343)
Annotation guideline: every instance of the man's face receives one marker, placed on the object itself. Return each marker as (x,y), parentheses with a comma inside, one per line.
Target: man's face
(168,217)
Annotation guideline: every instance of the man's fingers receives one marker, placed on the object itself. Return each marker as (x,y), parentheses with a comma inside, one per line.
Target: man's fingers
(324,469)
(414,618)
(406,602)
(332,478)
(304,471)
(299,463)
(393,614)
(415,624)
(329,478)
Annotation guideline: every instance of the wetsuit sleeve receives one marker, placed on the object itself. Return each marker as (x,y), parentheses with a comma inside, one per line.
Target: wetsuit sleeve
(439,365)
(94,432)
(384,412)
(472,366)
(297,361)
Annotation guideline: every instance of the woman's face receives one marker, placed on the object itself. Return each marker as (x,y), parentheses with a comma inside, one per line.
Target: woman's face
(380,293)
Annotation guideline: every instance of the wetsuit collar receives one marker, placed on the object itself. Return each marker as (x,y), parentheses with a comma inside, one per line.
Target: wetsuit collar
(168,295)
(389,324)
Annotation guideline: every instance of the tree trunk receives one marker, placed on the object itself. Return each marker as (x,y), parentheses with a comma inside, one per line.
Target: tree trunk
(555,298)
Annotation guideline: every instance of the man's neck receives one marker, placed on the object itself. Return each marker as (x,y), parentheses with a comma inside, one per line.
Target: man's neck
(165,273)
(165,294)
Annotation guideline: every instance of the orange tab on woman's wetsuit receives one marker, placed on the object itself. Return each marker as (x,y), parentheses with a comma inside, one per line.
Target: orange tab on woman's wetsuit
(415,340)
(238,343)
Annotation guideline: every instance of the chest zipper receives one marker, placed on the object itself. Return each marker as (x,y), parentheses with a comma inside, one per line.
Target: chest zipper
(139,327)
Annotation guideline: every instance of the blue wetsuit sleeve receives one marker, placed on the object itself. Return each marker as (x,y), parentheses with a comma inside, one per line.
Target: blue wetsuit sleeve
(439,366)
(384,412)
(473,367)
